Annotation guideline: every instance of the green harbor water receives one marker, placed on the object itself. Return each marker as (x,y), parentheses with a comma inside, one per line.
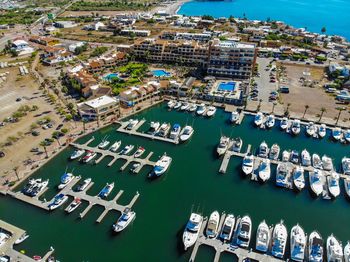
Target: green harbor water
(163,208)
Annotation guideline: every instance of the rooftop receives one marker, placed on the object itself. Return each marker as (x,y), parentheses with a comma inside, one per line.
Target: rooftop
(100,101)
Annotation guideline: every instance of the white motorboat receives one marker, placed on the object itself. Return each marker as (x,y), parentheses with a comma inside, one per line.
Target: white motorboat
(244,232)
(279,240)
(346,135)
(237,144)
(347,252)
(334,250)
(153,128)
(311,129)
(211,111)
(66,178)
(258,119)
(126,150)
(89,156)
(124,220)
(184,106)
(223,145)
(322,131)
(263,150)
(274,152)
(58,201)
(270,121)
(282,175)
(104,143)
(263,237)
(285,156)
(213,225)
(4,237)
(106,190)
(74,205)
(295,127)
(227,228)
(315,247)
(77,153)
(164,130)
(284,123)
(171,104)
(186,133)
(135,167)
(248,164)
(83,185)
(345,164)
(294,157)
(201,109)
(139,152)
(316,161)
(115,146)
(177,105)
(132,123)
(327,163)
(264,170)
(191,232)
(305,158)
(35,187)
(297,243)
(161,166)
(175,132)
(21,239)
(316,183)
(333,184)
(234,117)
(298,178)
(192,108)
(337,133)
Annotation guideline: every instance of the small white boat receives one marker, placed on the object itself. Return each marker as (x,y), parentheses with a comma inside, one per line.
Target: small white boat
(234,117)
(58,201)
(77,153)
(298,178)
(139,152)
(186,133)
(83,185)
(115,146)
(264,170)
(258,119)
(295,127)
(106,190)
(154,127)
(279,240)
(74,205)
(263,237)
(191,232)
(337,133)
(124,220)
(347,252)
(315,247)
(333,184)
(184,106)
(161,166)
(171,104)
(322,131)
(177,105)
(284,123)
(248,164)
(104,143)
(347,186)
(297,244)
(89,156)
(327,163)
(175,132)
(201,109)
(192,108)
(237,144)
(164,130)
(223,145)
(66,178)
(346,135)
(263,150)
(334,250)
(294,157)
(316,183)
(126,150)
(211,111)
(213,225)
(305,158)
(244,232)
(316,161)
(270,121)
(21,239)
(227,228)
(282,175)
(311,129)
(131,124)
(274,152)
(285,156)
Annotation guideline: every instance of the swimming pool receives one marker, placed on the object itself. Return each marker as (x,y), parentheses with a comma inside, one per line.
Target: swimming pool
(227,86)
(160,73)
(110,76)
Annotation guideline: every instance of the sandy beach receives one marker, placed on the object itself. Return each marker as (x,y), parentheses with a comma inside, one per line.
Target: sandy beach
(171,8)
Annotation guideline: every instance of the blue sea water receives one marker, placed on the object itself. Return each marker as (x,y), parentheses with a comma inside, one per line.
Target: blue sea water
(312,14)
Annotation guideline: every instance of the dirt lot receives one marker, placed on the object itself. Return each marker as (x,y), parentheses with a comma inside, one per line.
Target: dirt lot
(88,13)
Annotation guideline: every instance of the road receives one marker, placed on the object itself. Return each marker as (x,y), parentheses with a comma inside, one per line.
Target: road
(264,85)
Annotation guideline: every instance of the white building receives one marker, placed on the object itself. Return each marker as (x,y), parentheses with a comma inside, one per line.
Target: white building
(98,108)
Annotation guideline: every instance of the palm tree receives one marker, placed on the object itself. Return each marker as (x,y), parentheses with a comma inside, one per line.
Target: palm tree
(259,105)
(43,144)
(15,169)
(273,107)
(306,108)
(340,109)
(288,105)
(323,110)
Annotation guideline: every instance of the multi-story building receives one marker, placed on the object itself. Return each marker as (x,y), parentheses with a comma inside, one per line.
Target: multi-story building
(98,108)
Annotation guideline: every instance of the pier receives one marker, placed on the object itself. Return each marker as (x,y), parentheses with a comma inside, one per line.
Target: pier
(227,156)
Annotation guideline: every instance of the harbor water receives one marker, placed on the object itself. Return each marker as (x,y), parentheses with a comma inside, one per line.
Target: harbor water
(192,183)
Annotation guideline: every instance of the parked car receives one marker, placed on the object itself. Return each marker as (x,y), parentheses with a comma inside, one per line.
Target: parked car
(35,133)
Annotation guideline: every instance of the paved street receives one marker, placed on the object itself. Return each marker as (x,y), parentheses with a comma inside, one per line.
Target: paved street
(264,85)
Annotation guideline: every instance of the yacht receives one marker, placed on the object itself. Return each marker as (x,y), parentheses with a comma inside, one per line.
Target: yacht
(334,250)
(201,109)
(77,153)
(104,143)
(126,150)
(227,228)
(279,240)
(211,111)
(58,201)
(115,146)
(74,205)
(282,175)
(333,184)
(192,108)
(213,225)
(191,232)
(175,132)
(66,178)
(284,123)
(316,183)
(131,124)
(337,133)
(327,163)
(297,243)
(237,144)
(285,156)
(322,131)
(345,164)
(106,190)
(234,117)
(244,232)
(264,170)
(270,121)
(311,129)
(124,220)
(83,185)
(161,166)
(35,187)
(177,105)
(347,186)
(346,135)
(20,240)
(316,161)
(184,106)
(263,150)
(347,252)
(139,152)
(294,157)
(223,145)
(186,133)
(171,104)
(258,119)
(3,239)
(295,127)
(298,178)
(315,247)
(263,236)
(274,152)
(248,164)
(154,127)
(89,156)
(164,130)
(305,158)
(29,186)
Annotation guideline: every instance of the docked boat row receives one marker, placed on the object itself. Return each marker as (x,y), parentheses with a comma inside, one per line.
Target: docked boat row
(228,144)
(199,109)
(269,240)
(34,187)
(174,132)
